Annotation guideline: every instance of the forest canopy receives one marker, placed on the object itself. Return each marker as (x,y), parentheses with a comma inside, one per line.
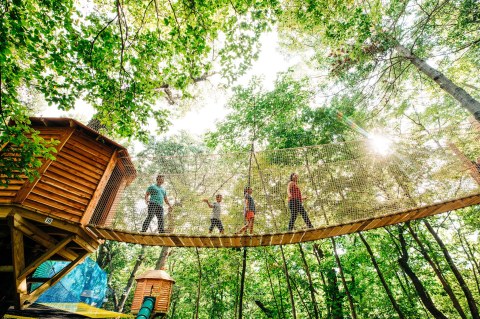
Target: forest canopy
(388,65)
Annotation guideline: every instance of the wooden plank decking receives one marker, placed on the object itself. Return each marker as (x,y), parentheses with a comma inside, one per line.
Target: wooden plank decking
(220,241)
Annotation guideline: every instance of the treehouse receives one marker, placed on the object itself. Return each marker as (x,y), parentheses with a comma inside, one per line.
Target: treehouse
(45,219)
(157,284)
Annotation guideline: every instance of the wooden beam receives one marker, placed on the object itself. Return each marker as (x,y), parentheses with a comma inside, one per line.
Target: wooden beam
(28,186)
(40,236)
(5,211)
(84,244)
(50,220)
(18,258)
(38,279)
(37,292)
(46,256)
(99,190)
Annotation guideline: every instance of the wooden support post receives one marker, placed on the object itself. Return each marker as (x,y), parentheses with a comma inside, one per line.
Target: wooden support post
(18,258)
(84,244)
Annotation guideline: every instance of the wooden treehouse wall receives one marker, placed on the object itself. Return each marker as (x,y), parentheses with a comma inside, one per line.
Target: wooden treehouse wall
(42,219)
(72,186)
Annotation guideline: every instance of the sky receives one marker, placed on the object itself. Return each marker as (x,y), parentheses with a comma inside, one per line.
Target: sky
(203,117)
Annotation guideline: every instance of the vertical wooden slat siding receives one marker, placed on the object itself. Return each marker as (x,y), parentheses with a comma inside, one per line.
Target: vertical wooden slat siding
(70,179)
(7,194)
(65,193)
(28,186)
(66,167)
(61,197)
(158,288)
(85,164)
(138,297)
(51,207)
(98,192)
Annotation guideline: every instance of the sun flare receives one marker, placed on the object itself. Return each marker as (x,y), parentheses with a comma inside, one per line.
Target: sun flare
(380,144)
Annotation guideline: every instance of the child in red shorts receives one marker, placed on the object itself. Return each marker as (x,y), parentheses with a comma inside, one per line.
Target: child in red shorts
(249,210)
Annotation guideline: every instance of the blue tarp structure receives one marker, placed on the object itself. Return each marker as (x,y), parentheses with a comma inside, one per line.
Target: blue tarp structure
(86,283)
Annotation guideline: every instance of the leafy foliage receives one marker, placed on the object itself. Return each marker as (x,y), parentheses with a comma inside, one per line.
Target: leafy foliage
(280,118)
(121,57)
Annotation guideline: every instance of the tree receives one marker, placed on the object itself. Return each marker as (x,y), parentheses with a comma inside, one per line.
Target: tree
(120,57)
(380,47)
(280,118)
(422,292)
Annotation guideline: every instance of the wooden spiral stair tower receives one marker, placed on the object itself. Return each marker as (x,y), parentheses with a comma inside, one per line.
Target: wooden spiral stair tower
(45,219)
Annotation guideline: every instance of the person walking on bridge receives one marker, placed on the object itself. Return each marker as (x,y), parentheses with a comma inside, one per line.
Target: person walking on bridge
(154,198)
(295,202)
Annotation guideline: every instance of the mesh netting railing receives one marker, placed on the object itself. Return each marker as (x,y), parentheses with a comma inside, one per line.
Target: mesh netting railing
(343,183)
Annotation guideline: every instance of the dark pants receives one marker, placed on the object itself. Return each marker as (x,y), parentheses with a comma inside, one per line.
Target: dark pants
(157,210)
(295,206)
(217,223)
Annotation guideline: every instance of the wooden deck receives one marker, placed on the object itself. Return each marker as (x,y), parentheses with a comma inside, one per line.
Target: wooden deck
(230,241)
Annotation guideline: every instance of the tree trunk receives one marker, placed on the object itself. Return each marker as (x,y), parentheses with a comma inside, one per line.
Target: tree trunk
(199,288)
(282,307)
(299,293)
(334,297)
(471,256)
(267,267)
(344,282)
(421,291)
(310,282)
(446,286)
(265,310)
(285,269)
(242,283)
(102,253)
(382,279)
(319,254)
(465,99)
(128,287)
(162,259)
(456,272)
(237,292)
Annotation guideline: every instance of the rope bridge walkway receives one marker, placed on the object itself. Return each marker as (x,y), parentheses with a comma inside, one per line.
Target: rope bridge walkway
(350,186)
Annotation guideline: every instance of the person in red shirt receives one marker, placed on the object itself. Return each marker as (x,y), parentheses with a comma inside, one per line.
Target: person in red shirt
(295,202)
